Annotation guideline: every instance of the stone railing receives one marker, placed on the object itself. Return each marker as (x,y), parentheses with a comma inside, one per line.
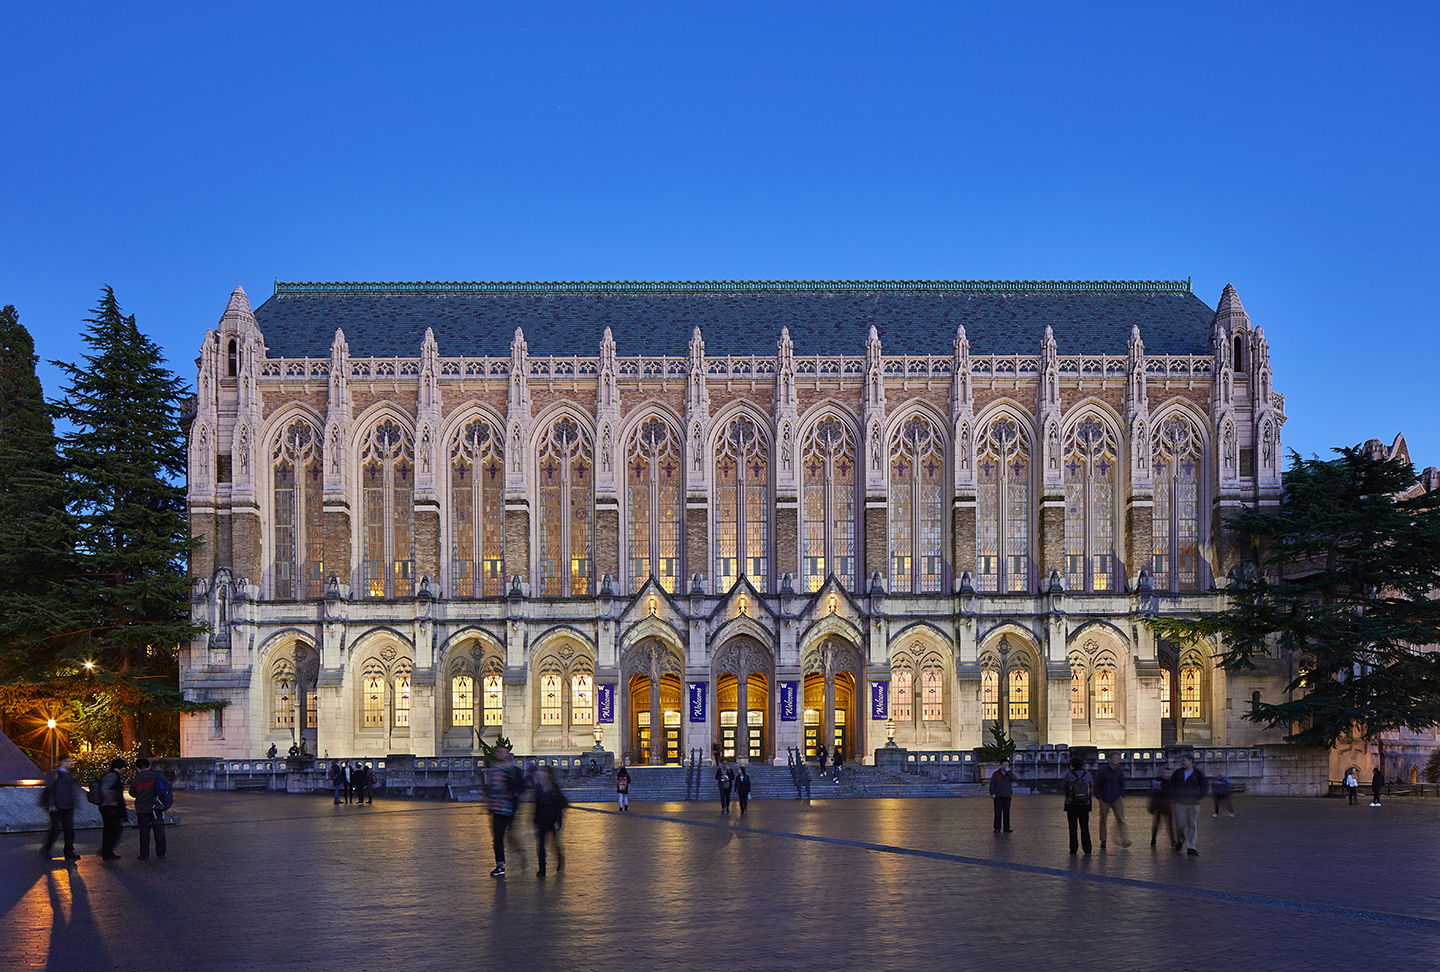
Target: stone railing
(1051,764)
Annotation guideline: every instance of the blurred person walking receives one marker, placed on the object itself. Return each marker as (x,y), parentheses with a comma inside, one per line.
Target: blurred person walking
(58,798)
(1110,792)
(1160,809)
(1187,789)
(550,804)
(504,783)
(1220,789)
(149,789)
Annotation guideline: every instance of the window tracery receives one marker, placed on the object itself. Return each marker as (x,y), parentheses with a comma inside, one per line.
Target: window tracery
(282,683)
(299,524)
(567,690)
(462,700)
(652,469)
(742,505)
(566,481)
(387,475)
(1002,495)
(477,510)
(917,471)
(493,685)
(828,499)
(1175,525)
(1089,467)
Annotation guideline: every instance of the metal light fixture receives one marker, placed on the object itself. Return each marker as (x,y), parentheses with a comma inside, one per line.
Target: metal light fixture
(890,734)
(599,737)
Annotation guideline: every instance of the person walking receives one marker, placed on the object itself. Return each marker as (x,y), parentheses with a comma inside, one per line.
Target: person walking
(622,789)
(724,780)
(838,762)
(58,798)
(112,809)
(149,808)
(1220,788)
(550,804)
(1110,793)
(337,779)
(1352,785)
(821,756)
(742,789)
(1002,786)
(1377,783)
(504,782)
(1078,789)
(1160,809)
(1187,789)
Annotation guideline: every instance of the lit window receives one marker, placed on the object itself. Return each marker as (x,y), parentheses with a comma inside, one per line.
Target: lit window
(989,695)
(917,474)
(494,700)
(477,511)
(1089,505)
(374,701)
(828,501)
(1190,692)
(565,485)
(462,701)
(285,699)
(582,700)
(742,505)
(402,702)
(902,693)
(1077,693)
(387,481)
(551,710)
(1002,496)
(1019,694)
(652,471)
(299,529)
(1165,710)
(1105,693)
(1175,522)
(931,695)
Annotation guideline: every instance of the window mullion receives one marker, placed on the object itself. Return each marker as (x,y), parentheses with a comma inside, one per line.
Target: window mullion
(653,552)
(565,499)
(388,529)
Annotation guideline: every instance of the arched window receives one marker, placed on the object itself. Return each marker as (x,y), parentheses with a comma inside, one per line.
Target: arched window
(1077,690)
(1166,710)
(566,691)
(1089,506)
(828,499)
(477,511)
(932,690)
(917,473)
(1019,694)
(1002,495)
(374,697)
(652,472)
(299,524)
(582,700)
(742,505)
(1190,690)
(402,700)
(462,700)
(551,707)
(232,359)
(566,481)
(990,692)
(1104,691)
(387,476)
(1175,524)
(1239,347)
(902,692)
(492,687)
(283,685)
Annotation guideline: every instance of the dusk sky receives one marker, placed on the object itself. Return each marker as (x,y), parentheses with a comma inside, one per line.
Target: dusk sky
(175,152)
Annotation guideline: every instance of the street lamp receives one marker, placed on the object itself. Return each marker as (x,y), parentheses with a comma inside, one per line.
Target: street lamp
(890,734)
(599,735)
(54,743)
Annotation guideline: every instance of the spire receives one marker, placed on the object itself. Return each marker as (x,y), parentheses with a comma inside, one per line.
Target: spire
(238,309)
(1230,312)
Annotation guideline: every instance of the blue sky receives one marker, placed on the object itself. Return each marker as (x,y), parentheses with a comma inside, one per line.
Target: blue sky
(177,151)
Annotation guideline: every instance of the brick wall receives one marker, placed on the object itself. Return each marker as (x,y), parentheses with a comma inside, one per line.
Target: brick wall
(786,545)
(1052,538)
(1137,525)
(202,558)
(877,546)
(245,551)
(338,559)
(517,544)
(427,545)
(697,544)
(607,544)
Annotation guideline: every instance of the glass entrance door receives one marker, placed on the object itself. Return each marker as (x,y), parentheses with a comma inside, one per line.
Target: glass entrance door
(672,738)
(757,734)
(840,754)
(812,732)
(643,736)
(727,735)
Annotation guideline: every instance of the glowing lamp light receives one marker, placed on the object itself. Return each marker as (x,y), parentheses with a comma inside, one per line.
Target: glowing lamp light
(599,737)
(50,723)
(889,733)
(89,666)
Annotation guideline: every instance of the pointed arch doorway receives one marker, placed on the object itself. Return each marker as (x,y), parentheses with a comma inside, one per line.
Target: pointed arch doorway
(654,706)
(832,679)
(743,673)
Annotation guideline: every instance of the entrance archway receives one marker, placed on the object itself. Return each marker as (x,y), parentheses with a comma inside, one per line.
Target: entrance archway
(743,723)
(832,679)
(653,719)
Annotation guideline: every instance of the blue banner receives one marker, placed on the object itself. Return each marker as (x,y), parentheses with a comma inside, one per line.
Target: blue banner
(697,701)
(879,700)
(606,699)
(789,701)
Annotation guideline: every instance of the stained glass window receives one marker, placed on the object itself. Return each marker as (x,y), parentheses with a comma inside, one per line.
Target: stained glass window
(917,473)
(1089,459)
(374,689)
(742,506)
(1002,497)
(284,685)
(1105,692)
(1190,692)
(565,478)
(902,694)
(387,477)
(582,700)
(1019,694)
(462,701)
(402,701)
(1166,712)
(652,474)
(932,692)
(989,694)
(299,530)
(551,710)
(1077,692)
(477,511)
(1175,523)
(494,700)
(828,504)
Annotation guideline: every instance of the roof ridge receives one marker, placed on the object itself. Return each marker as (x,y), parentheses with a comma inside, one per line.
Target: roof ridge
(341,288)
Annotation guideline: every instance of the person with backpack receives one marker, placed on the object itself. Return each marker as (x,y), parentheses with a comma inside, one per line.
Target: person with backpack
(362,784)
(58,798)
(822,757)
(550,804)
(504,782)
(152,798)
(724,780)
(1187,789)
(1078,790)
(1220,787)
(112,809)
(622,789)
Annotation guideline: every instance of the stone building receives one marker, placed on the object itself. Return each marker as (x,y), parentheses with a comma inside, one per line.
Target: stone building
(730,517)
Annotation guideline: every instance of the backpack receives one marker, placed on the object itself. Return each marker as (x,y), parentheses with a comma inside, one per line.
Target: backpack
(93,792)
(164,795)
(1080,788)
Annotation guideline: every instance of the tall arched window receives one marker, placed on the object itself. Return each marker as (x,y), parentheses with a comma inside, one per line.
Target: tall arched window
(902,690)
(477,511)
(989,691)
(1190,678)
(402,698)
(283,686)
(387,476)
(932,690)
(232,359)
(1002,495)
(742,505)
(566,481)
(652,474)
(566,691)
(1077,689)
(1166,705)
(828,498)
(1104,690)
(1089,506)
(1019,694)
(493,686)
(1175,525)
(917,473)
(462,700)
(299,524)
(373,701)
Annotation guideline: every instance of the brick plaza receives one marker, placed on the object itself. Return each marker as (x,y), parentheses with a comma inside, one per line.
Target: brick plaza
(279,881)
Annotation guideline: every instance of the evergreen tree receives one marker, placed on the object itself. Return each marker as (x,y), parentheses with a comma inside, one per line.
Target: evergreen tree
(1349,577)
(124,459)
(39,616)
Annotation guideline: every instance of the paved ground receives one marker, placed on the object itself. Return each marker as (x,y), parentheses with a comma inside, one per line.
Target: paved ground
(262,882)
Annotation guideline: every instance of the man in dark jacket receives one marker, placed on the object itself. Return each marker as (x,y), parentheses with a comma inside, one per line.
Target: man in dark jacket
(112,809)
(504,783)
(742,789)
(1377,783)
(1002,786)
(58,798)
(1078,787)
(550,804)
(1187,789)
(149,814)
(1110,792)
(724,780)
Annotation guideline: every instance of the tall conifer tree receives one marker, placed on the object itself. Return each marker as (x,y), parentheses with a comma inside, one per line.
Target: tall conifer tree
(124,457)
(1349,579)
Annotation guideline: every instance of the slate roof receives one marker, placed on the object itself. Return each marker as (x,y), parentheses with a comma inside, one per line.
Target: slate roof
(824,317)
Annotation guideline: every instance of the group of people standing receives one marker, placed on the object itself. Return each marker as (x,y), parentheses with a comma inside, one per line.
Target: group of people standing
(354,780)
(505,786)
(821,757)
(728,780)
(1377,783)
(1174,801)
(61,792)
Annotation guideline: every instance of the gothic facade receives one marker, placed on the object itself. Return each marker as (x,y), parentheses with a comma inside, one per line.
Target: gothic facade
(732,517)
